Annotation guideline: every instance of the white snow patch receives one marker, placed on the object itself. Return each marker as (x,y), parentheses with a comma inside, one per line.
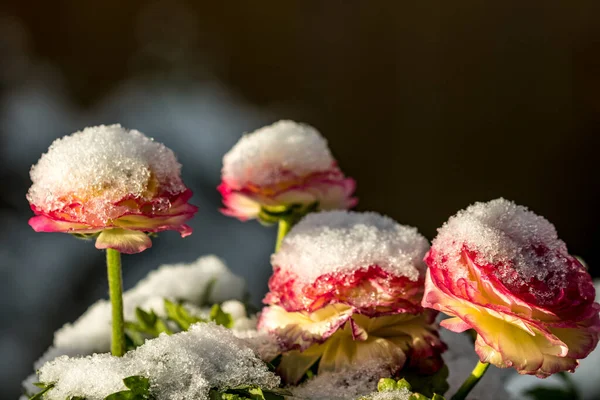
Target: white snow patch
(339,242)
(400,394)
(99,166)
(183,282)
(182,366)
(344,385)
(268,155)
(502,233)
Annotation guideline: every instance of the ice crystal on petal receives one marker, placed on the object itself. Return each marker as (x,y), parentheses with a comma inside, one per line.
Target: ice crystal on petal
(180,367)
(100,166)
(264,156)
(340,242)
(504,235)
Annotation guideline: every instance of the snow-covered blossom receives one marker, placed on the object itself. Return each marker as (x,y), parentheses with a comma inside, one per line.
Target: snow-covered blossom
(110,183)
(281,165)
(501,270)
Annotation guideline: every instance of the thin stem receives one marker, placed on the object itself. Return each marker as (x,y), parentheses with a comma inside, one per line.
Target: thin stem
(284,227)
(471,381)
(115,289)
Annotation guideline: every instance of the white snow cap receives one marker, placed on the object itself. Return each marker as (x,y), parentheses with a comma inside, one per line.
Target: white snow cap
(265,155)
(340,242)
(101,165)
(185,282)
(180,367)
(503,233)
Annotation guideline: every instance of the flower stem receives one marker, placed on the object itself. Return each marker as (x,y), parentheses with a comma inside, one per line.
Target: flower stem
(284,227)
(471,381)
(115,289)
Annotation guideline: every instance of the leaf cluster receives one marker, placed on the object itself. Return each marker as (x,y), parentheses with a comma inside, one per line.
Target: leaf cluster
(149,325)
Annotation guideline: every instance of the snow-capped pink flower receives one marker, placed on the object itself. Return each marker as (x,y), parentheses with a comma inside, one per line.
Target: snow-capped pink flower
(364,260)
(501,270)
(282,165)
(112,183)
(346,290)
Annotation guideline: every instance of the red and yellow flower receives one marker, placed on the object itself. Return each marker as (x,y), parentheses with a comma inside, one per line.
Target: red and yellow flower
(346,292)
(281,165)
(499,269)
(112,184)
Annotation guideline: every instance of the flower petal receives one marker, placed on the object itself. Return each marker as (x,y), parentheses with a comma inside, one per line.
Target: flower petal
(299,330)
(124,240)
(42,223)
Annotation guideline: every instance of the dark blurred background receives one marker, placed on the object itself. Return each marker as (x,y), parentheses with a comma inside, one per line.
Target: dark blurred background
(429,105)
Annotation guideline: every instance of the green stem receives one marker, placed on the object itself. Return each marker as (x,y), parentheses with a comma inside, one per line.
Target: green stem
(284,227)
(471,381)
(115,289)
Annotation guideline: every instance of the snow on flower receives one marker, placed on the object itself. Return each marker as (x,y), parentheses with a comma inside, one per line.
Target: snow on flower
(182,366)
(501,270)
(112,183)
(365,260)
(281,165)
(346,290)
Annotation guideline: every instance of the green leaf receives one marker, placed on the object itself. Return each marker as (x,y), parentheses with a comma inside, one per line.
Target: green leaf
(438,397)
(386,385)
(45,388)
(178,314)
(403,383)
(139,389)
(220,317)
(429,384)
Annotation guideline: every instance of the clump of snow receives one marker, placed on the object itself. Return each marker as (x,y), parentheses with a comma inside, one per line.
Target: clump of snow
(344,385)
(183,366)
(400,394)
(267,155)
(99,166)
(183,282)
(337,242)
(502,233)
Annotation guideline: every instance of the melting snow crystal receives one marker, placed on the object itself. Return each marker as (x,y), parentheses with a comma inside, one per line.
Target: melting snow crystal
(180,367)
(345,241)
(265,155)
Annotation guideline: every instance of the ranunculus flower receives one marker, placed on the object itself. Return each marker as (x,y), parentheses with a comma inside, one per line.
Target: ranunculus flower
(339,338)
(282,165)
(346,290)
(112,183)
(501,270)
(365,260)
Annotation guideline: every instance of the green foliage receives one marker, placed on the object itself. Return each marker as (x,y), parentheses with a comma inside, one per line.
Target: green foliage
(248,393)
(429,384)
(391,385)
(269,215)
(220,317)
(139,389)
(150,325)
(45,388)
